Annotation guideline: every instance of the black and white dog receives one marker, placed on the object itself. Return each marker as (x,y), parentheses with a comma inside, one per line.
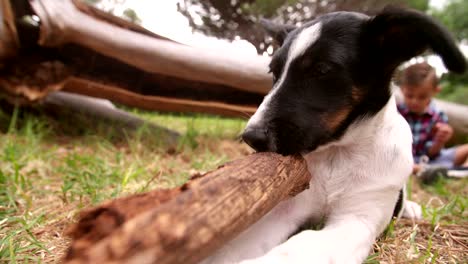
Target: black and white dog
(331,101)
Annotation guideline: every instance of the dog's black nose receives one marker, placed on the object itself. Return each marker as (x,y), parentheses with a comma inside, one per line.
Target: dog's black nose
(256,138)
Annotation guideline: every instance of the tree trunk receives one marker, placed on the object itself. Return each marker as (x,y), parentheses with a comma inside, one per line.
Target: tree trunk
(457,115)
(187,224)
(104,110)
(59,25)
(458,119)
(158,103)
(9,42)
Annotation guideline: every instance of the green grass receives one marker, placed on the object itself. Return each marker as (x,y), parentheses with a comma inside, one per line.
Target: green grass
(51,167)
(447,204)
(20,153)
(444,205)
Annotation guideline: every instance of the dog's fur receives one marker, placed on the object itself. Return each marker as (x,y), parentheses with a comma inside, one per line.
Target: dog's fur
(332,103)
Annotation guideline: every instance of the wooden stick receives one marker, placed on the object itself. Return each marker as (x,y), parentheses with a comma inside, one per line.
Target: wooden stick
(98,223)
(204,214)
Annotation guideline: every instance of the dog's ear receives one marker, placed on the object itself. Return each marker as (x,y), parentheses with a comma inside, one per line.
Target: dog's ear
(398,35)
(276,31)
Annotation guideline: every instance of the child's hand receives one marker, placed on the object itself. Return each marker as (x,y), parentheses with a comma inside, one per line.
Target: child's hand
(443,132)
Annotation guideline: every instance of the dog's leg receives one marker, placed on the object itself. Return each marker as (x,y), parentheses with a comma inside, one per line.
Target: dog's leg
(411,210)
(347,237)
(273,229)
(406,208)
(257,239)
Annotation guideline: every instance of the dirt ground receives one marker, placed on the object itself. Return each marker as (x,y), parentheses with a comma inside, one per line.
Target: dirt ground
(49,173)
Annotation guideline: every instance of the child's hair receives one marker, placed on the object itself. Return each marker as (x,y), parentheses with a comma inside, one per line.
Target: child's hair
(417,74)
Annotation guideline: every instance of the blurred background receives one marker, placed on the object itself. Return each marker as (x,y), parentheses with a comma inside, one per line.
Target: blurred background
(218,24)
(161,95)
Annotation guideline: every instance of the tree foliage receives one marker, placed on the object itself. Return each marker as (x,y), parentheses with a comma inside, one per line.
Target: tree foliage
(238,18)
(455,17)
(455,88)
(109,6)
(131,15)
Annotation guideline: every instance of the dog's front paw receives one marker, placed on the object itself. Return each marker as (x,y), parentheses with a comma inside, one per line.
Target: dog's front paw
(412,210)
(307,247)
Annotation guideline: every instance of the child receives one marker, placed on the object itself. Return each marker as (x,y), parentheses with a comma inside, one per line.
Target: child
(419,84)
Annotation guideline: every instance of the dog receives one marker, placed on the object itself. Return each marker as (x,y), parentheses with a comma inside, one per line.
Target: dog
(332,103)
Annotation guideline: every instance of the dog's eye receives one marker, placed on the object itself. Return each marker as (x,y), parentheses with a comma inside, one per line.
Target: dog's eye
(321,68)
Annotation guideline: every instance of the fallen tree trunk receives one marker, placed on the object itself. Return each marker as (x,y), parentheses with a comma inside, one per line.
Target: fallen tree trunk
(159,103)
(458,119)
(150,53)
(104,110)
(185,225)
(161,56)
(59,26)
(9,42)
(457,115)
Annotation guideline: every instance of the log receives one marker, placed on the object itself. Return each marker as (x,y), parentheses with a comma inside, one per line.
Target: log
(172,59)
(32,78)
(105,111)
(187,224)
(9,43)
(59,26)
(166,57)
(458,119)
(98,223)
(457,115)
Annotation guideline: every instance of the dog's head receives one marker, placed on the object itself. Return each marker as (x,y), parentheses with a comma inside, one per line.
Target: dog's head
(336,70)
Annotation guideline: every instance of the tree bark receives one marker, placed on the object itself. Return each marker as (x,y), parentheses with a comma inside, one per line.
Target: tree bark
(188,224)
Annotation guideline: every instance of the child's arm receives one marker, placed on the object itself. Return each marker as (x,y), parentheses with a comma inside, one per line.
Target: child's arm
(442,133)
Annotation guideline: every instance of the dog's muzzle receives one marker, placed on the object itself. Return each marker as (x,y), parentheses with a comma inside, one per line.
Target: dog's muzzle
(257,138)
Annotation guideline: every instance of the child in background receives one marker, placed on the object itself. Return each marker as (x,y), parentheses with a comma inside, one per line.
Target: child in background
(419,84)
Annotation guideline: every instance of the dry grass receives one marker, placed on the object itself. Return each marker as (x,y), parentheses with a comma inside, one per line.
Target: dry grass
(442,237)
(49,172)
(422,243)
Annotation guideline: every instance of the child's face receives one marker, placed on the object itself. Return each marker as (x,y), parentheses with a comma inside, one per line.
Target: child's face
(418,97)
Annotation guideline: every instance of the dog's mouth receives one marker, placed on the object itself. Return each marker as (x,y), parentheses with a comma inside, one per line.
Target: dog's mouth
(284,138)
(289,143)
